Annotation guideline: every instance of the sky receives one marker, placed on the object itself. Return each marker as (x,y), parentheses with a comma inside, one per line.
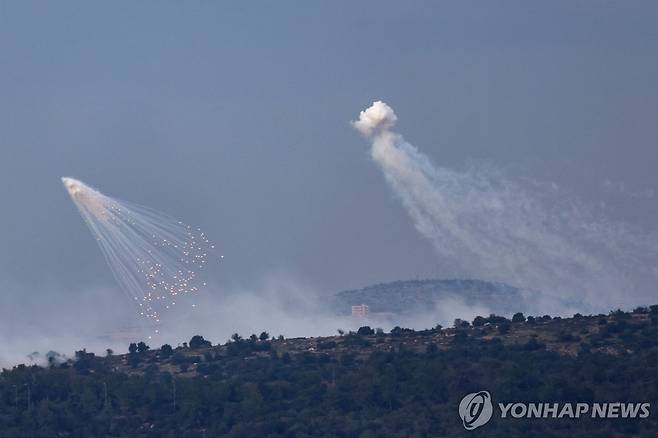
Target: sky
(235,117)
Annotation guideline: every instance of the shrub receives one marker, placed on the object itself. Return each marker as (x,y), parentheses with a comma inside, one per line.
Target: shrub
(567,337)
(179,358)
(504,328)
(533,344)
(326,345)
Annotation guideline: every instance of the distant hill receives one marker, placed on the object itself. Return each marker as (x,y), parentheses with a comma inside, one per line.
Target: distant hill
(402,297)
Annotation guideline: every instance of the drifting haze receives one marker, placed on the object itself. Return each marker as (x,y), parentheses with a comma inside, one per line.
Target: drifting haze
(281,304)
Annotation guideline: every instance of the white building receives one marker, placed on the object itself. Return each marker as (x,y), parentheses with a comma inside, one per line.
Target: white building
(360,311)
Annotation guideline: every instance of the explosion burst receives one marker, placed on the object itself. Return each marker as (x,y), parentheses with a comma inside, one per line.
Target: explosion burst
(154,258)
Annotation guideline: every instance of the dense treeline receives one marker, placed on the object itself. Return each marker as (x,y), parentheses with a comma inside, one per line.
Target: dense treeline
(344,387)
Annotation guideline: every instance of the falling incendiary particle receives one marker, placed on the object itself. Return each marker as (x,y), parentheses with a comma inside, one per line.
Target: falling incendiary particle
(147,251)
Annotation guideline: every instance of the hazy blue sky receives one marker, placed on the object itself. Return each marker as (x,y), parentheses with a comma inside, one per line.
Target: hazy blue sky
(235,117)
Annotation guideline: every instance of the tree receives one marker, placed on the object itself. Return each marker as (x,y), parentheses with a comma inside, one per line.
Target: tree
(253,338)
(132,348)
(84,361)
(496,319)
(166,351)
(365,331)
(620,314)
(460,323)
(479,321)
(518,317)
(264,336)
(109,352)
(341,332)
(197,341)
(235,337)
(531,320)
(142,347)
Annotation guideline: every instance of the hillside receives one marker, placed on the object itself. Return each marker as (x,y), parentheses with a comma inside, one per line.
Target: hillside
(403,383)
(401,297)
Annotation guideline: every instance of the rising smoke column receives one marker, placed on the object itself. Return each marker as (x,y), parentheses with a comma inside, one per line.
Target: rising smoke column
(486,225)
(155,259)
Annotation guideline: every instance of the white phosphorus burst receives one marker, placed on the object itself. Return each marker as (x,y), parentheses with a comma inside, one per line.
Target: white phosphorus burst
(154,258)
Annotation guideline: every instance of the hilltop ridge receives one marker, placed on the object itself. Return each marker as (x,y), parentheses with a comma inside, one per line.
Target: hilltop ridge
(364,383)
(406,296)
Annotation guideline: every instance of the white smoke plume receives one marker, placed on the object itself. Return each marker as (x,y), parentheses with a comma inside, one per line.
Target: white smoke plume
(280,303)
(485,224)
(379,117)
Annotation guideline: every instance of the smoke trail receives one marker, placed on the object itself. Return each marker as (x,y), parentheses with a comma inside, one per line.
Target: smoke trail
(484,224)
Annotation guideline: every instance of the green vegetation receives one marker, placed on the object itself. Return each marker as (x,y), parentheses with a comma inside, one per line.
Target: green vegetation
(364,384)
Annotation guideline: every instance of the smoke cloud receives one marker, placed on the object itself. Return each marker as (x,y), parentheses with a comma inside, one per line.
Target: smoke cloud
(488,225)
(98,318)
(379,117)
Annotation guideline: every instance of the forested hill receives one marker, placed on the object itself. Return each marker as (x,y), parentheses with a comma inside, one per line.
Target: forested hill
(400,297)
(364,384)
